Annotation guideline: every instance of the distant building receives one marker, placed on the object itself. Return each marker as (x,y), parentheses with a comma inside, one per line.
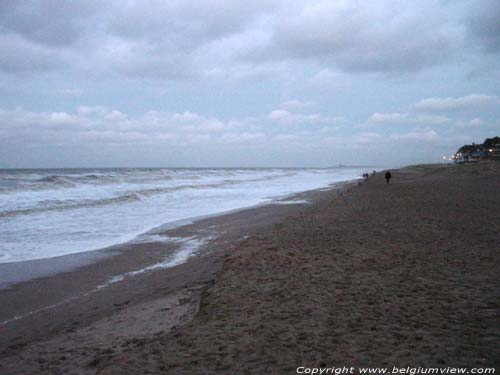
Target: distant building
(490,149)
(470,153)
(495,152)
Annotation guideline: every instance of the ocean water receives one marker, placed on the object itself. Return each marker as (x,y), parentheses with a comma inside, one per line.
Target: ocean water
(51,212)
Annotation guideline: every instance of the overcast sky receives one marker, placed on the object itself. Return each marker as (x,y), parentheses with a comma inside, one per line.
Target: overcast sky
(245,83)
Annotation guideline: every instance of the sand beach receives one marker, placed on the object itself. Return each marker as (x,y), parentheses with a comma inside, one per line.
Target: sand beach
(369,274)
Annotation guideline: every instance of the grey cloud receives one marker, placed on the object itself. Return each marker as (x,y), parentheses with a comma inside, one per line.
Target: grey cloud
(367,37)
(103,124)
(279,114)
(182,24)
(397,118)
(20,56)
(179,39)
(427,135)
(49,22)
(242,60)
(383,118)
(287,117)
(140,62)
(101,127)
(456,104)
(483,22)
(224,39)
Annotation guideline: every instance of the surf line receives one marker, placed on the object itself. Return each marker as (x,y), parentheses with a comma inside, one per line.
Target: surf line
(189,246)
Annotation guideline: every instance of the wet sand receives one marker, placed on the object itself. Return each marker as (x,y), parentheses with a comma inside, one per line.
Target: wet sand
(62,312)
(400,274)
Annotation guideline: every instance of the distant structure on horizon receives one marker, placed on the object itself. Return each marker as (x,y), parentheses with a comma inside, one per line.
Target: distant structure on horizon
(489,149)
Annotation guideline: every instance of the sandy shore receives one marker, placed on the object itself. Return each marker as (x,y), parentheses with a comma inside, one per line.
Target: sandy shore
(404,274)
(57,312)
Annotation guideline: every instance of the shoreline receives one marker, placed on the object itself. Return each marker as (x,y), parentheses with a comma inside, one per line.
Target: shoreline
(12,273)
(73,298)
(400,274)
(369,275)
(52,215)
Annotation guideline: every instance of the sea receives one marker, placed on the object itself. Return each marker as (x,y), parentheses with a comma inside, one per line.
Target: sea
(46,213)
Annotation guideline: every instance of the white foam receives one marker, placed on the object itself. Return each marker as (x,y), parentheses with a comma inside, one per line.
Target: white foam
(59,221)
(188,247)
(292,201)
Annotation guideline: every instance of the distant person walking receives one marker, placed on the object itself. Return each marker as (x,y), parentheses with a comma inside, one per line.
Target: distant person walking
(388,176)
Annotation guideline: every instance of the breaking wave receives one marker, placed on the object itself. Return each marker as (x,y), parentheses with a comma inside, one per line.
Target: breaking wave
(71,206)
(51,212)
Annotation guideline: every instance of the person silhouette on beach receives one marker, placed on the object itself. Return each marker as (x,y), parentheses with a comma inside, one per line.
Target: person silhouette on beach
(388,176)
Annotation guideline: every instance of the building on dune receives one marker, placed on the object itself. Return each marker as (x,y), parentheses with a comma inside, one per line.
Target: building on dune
(489,149)
(495,152)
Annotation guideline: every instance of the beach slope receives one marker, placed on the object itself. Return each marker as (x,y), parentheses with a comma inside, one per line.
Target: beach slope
(400,274)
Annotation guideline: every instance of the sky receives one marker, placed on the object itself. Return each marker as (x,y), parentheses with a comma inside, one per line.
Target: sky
(219,83)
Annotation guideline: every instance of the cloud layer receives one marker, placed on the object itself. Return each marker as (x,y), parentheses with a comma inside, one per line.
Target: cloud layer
(254,83)
(177,39)
(280,133)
